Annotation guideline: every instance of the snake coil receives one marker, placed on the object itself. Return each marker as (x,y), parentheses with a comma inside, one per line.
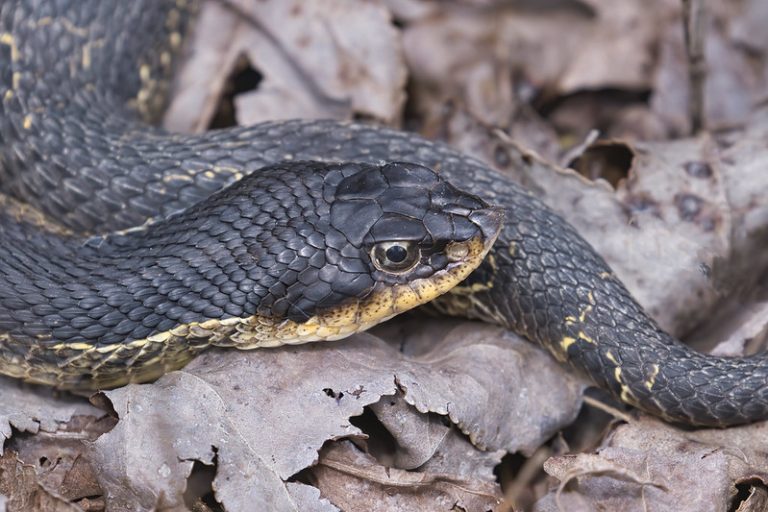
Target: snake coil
(77,86)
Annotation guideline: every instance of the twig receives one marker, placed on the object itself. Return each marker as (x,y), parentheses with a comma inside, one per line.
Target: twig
(694,17)
(578,150)
(616,413)
(530,469)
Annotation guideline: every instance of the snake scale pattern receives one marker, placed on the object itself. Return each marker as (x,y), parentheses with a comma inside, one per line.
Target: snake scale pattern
(78,87)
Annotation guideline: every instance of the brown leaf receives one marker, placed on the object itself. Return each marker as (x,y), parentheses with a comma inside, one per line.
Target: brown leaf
(757,501)
(737,328)
(381,489)
(418,436)
(306,497)
(659,232)
(23,491)
(457,457)
(264,415)
(747,25)
(320,62)
(426,443)
(478,365)
(648,465)
(617,51)
(145,461)
(32,408)
(735,76)
(59,458)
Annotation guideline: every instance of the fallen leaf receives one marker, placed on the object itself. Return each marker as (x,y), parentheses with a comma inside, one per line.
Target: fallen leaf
(682,223)
(22,490)
(745,23)
(264,415)
(756,501)
(59,458)
(618,51)
(418,436)
(639,229)
(380,489)
(33,408)
(480,366)
(648,465)
(320,63)
(731,66)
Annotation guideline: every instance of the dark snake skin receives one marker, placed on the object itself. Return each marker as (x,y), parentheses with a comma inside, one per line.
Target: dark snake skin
(283,246)
(75,146)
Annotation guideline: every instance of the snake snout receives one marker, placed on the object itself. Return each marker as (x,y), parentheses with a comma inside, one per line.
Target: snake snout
(490,221)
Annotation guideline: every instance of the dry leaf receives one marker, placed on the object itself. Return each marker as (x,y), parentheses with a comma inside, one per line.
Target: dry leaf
(316,60)
(380,489)
(477,367)
(648,465)
(639,229)
(31,408)
(682,226)
(59,458)
(264,415)
(418,436)
(19,482)
(736,76)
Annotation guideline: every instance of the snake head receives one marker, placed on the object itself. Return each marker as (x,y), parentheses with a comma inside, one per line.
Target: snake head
(379,240)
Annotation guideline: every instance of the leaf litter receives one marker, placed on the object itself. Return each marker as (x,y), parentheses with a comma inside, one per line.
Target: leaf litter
(264,419)
(427,414)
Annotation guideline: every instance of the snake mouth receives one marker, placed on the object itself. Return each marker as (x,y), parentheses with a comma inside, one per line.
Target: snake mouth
(382,304)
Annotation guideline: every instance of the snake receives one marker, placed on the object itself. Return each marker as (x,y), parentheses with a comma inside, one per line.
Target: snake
(81,87)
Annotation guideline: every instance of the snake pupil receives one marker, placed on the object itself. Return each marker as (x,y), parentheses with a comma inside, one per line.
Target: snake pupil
(395,257)
(397,254)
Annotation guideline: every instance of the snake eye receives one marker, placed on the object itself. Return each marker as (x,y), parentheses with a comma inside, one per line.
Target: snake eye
(395,257)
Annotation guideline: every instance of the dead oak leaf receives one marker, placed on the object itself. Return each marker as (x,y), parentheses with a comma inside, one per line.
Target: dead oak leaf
(475,367)
(657,230)
(258,414)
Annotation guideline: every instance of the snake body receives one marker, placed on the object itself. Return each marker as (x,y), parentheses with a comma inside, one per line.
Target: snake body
(77,87)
